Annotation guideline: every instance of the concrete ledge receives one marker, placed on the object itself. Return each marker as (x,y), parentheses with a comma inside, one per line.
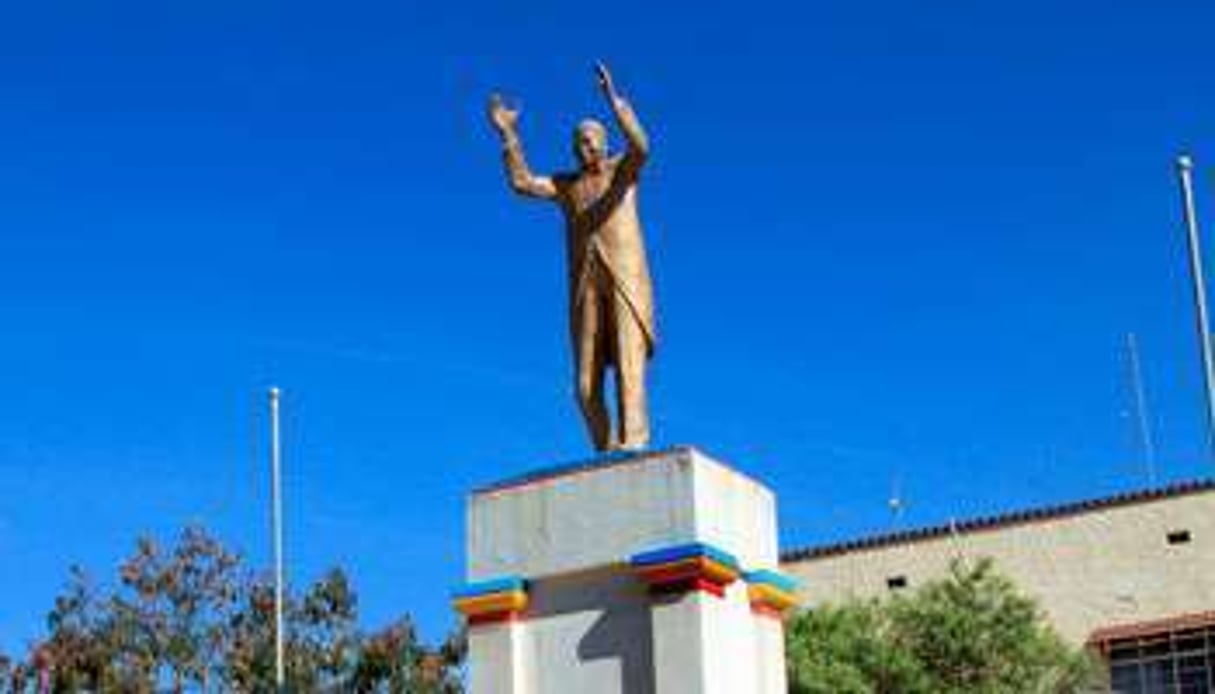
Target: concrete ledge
(600,513)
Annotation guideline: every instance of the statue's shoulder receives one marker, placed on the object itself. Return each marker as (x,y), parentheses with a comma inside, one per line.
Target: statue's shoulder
(565,180)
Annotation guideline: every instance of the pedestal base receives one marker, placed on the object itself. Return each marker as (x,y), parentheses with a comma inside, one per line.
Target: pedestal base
(631,575)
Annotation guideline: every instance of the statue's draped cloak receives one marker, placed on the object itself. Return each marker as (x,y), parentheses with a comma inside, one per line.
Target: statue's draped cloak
(605,236)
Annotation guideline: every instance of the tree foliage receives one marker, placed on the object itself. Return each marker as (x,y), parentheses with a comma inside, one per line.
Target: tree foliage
(192,618)
(969,633)
(393,657)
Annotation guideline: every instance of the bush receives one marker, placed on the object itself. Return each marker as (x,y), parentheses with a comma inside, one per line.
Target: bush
(969,633)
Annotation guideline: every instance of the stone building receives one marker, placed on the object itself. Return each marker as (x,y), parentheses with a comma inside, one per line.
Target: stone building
(1132,575)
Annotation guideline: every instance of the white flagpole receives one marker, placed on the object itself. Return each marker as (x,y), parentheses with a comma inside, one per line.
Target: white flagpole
(276,492)
(1185,169)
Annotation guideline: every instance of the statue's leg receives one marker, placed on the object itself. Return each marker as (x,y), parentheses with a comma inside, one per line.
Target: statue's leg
(631,350)
(590,360)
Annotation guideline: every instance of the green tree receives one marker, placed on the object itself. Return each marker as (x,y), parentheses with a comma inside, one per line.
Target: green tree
(85,648)
(165,624)
(849,649)
(190,618)
(174,607)
(969,633)
(394,661)
(320,638)
(323,638)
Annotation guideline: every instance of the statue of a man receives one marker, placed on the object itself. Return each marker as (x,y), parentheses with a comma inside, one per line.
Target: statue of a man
(610,295)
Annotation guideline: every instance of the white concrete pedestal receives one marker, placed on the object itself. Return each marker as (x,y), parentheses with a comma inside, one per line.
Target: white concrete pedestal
(641,574)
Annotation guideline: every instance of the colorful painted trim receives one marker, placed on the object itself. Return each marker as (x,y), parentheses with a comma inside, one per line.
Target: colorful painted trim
(490,602)
(771,593)
(695,566)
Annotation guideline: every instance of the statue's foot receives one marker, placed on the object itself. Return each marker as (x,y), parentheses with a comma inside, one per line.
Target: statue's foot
(628,447)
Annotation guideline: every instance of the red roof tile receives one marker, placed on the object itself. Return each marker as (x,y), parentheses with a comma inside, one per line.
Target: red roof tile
(1036,515)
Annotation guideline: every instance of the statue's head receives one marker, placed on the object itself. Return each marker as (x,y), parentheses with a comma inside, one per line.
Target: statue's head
(590,143)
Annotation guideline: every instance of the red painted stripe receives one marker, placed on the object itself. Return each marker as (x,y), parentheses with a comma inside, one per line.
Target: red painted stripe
(688,585)
(686,569)
(671,575)
(493,618)
(762,610)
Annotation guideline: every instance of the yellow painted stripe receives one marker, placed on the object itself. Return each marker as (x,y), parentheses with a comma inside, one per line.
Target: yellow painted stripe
(771,594)
(762,592)
(707,566)
(494,602)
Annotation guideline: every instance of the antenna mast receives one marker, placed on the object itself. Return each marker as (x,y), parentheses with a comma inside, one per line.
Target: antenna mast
(1142,420)
(895,502)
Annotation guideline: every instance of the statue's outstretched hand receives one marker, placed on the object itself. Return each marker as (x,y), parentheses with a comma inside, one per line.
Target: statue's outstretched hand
(639,145)
(503,118)
(605,81)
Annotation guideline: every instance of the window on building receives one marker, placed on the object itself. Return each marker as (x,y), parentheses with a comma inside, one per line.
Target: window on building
(1175,662)
(896,582)
(1178,537)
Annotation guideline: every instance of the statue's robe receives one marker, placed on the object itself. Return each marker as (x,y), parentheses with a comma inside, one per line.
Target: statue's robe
(604,236)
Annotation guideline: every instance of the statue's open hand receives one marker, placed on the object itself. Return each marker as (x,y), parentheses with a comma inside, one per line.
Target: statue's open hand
(605,80)
(503,118)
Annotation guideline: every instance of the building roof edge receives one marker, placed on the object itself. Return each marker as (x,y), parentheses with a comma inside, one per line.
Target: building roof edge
(997,521)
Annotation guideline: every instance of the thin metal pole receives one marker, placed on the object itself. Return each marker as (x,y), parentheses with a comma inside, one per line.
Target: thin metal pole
(1141,408)
(280,673)
(1185,169)
(895,502)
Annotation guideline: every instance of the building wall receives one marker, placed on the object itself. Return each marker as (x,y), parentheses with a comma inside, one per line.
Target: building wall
(1087,570)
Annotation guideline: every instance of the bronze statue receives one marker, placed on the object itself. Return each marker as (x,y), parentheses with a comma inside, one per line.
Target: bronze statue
(610,295)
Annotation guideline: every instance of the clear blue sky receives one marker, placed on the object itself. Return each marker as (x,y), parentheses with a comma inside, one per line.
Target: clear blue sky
(891,240)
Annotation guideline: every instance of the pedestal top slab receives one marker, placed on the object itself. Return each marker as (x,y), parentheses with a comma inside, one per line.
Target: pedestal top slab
(599,513)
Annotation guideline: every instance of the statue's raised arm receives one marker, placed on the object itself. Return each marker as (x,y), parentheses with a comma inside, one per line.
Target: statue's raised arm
(522,180)
(639,144)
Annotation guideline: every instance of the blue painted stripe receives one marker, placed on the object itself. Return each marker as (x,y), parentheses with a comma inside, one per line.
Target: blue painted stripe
(690,550)
(771,578)
(497,585)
